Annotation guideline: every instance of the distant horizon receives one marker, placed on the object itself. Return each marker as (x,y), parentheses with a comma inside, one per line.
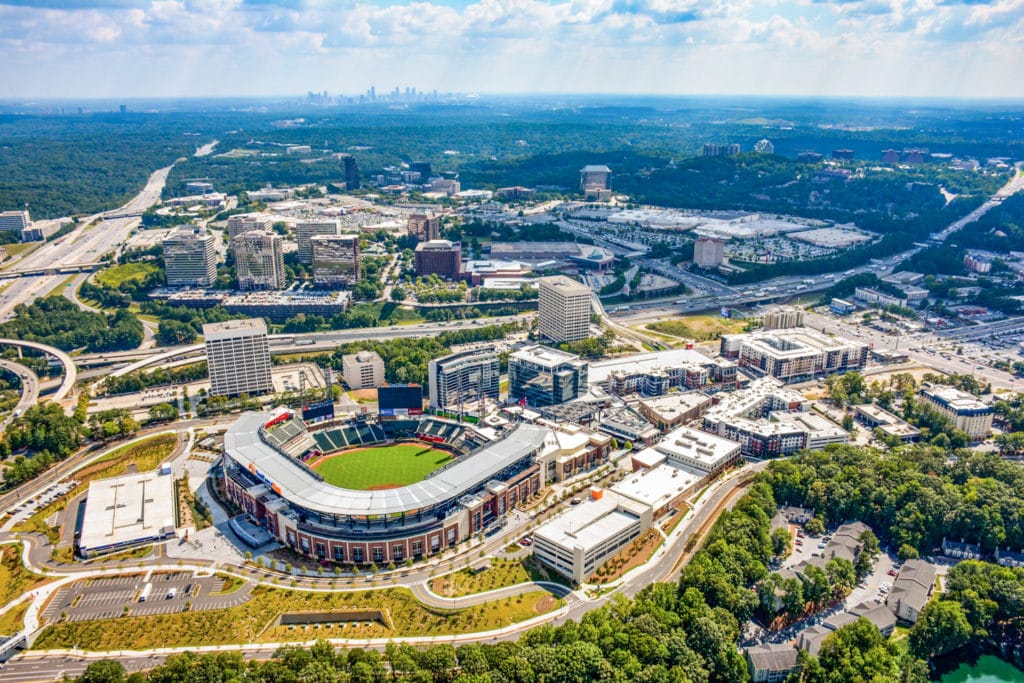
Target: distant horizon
(101,49)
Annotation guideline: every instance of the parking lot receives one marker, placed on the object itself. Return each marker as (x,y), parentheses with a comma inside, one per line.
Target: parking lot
(873,588)
(25,510)
(170,592)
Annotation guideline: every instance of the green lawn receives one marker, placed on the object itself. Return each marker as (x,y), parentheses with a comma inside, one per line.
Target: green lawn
(381,467)
(112,277)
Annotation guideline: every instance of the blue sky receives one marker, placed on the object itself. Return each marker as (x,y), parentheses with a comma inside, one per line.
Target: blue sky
(145,48)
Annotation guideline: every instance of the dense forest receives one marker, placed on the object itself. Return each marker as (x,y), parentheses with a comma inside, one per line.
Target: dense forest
(58,322)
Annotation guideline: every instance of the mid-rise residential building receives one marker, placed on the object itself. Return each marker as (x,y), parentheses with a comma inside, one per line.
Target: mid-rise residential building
(259,260)
(247,222)
(658,372)
(875,297)
(238,357)
(708,252)
(464,381)
(673,410)
(439,257)
(772,662)
(543,376)
(963,410)
(794,355)
(363,370)
(563,309)
(783,318)
(335,260)
(190,258)
(424,227)
(14,220)
(911,590)
(304,230)
(874,417)
(696,450)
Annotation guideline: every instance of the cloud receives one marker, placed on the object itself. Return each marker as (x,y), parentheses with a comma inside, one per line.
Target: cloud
(572,42)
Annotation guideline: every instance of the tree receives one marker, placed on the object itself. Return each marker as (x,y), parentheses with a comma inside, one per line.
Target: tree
(907,552)
(103,671)
(815,526)
(942,627)
(781,540)
(856,652)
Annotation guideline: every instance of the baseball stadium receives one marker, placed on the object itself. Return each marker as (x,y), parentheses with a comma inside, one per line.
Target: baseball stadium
(365,491)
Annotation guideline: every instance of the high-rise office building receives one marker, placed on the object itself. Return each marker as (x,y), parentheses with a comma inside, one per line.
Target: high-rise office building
(764,146)
(335,260)
(439,257)
(247,222)
(715,150)
(546,376)
(259,260)
(783,318)
(15,220)
(238,357)
(563,309)
(424,227)
(842,154)
(350,169)
(423,168)
(708,252)
(595,177)
(306,229)
(464,381)
(190,258)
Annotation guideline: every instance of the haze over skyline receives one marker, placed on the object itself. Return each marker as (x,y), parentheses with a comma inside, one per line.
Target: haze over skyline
(173,48)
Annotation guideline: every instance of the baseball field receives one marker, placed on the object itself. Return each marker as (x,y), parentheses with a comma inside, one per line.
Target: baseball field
(380,467)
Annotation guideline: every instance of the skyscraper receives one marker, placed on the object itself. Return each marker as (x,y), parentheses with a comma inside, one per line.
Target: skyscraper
(564,309)
(259,260)
(238,357)
(335,260)
(350,170)
(190,258)
(595,177)
(715,150)
(306,229)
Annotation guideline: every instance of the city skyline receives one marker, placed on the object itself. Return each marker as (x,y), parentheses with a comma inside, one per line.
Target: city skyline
(113,48)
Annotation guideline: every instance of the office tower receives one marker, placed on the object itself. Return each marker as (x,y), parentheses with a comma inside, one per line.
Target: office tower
(545,376)
(595,177)
(564,309)
(14,220)
(764,147)
(350,169)
(190,258)
(708,252)
(238,357)
(247,222)
(809,157)
(335,260)
(842,154)
(715,150)
(439,257)
(423,168)
(194,187)
(363,370)
(306,229)
(463,381)
(259,260)
(890,156)
(424,227)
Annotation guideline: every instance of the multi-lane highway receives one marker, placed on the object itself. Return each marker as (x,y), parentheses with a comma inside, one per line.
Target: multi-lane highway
(29,389)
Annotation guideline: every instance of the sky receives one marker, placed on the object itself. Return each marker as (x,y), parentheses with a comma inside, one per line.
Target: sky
(175,48)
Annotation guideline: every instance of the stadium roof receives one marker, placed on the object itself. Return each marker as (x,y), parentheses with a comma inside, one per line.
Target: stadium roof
(243,444)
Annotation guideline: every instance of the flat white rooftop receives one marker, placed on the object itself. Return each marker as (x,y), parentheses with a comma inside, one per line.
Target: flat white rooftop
(646,362)
(231,329)
(132,508)
(657,487)
(707,450)
(589,524)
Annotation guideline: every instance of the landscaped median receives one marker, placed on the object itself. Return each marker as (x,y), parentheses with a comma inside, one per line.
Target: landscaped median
(259,620)
(497,573)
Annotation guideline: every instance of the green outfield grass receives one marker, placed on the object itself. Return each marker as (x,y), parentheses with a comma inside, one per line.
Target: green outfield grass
(381,467)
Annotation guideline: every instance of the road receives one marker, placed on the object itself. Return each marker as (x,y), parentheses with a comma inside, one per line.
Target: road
(94,237)
(70,369)
(29,389)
